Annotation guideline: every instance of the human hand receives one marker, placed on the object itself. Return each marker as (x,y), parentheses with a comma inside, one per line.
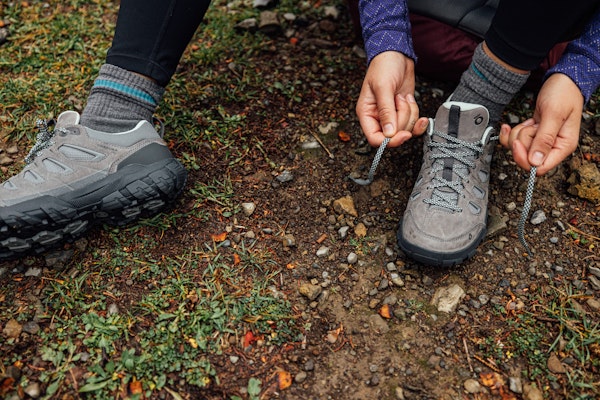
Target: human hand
(386,106)
(552,134)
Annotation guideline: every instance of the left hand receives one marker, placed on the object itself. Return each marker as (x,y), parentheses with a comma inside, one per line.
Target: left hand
(552,134)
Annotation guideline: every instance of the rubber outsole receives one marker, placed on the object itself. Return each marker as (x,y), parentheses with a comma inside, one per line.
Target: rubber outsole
(436,259)
(136,191)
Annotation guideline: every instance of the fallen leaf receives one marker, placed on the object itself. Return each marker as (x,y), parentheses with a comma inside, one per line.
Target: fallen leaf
(343,136)
(236,259)
(290,266)
(219,237)
(135,387)
(284,379)
(6,385)
(249,338)
(385,311)
(493,380)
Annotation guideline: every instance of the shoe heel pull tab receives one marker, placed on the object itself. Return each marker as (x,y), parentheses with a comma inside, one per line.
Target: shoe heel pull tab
(161,127)
(67,118)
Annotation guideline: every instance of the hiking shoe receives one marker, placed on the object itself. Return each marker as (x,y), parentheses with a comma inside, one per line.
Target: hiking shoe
(445,218)
(76,177)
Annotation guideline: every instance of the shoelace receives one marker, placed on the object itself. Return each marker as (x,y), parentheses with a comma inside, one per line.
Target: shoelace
(526,208)
(528,194)
(43,139)
(374,164)
(461,151)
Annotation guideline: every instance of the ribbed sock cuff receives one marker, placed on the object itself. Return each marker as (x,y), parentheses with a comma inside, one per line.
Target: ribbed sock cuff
(120,99)
(488,83)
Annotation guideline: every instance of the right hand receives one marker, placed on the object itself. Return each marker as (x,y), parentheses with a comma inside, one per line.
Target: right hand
(386,106)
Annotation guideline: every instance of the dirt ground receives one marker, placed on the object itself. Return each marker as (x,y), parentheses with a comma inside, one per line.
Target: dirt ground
(372,329)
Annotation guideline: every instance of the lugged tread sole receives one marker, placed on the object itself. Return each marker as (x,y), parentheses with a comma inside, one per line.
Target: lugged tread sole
(135,192)
(437,259)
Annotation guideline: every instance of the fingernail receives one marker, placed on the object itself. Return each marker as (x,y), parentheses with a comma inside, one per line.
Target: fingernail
(528,122)
(388,130)
(410,98)
(537,159)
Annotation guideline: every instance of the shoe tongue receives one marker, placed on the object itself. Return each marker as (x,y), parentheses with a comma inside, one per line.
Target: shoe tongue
(464,121)
(471,120)
(67,118)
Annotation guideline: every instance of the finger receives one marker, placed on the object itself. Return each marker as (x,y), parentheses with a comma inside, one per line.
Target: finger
(508,134)
(504,135)
(386,110)
(420,126)
(544,140)
(520,155)
(413,112)
(403,114)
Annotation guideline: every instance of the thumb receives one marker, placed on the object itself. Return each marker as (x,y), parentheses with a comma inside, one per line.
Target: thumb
(543,141)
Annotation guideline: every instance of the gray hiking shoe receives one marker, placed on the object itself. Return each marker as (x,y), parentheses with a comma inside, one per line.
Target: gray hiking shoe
(445,218)
(76,177)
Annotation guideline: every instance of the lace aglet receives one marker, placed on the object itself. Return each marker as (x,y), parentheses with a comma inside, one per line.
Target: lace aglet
(380,150)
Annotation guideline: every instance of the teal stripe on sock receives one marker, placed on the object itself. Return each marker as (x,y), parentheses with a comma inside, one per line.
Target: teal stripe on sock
(479,73)
(125,89)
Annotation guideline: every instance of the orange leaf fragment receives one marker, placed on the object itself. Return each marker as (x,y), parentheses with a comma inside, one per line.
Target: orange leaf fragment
(343,136)
(290,266)
(236,259)
(135,387)
(249,338)
(219,237)
(284,379)
(385,311)
(294,41)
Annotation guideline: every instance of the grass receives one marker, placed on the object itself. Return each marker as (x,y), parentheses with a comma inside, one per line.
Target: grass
(124,321)
(184,312)
(554,325)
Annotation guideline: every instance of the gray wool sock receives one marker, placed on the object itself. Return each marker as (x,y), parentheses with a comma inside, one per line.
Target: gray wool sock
(119,100)
(489,84)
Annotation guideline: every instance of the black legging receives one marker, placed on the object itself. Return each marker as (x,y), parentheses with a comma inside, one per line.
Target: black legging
(523,31)
(151,35)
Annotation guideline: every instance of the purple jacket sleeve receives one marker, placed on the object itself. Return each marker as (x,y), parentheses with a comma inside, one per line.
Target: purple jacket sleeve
(581,59)
(385,26)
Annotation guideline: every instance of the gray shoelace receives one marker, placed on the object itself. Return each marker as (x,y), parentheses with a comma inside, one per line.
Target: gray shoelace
(461,151)
(43,139)
(526,208)
(374,164)
(528,194)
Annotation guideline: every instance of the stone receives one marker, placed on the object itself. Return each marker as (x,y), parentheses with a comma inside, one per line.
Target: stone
(446,299)
(360,230)
(472,386)
(310,291)
(585,182)
(300,377)
(538,217)
(12,329)
(531,392)
(248,208)
(345,205)
(555,366)
(594,304)
(268,23)
(378,324)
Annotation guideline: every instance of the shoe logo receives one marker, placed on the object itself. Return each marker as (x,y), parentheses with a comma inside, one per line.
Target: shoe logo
(478,119)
